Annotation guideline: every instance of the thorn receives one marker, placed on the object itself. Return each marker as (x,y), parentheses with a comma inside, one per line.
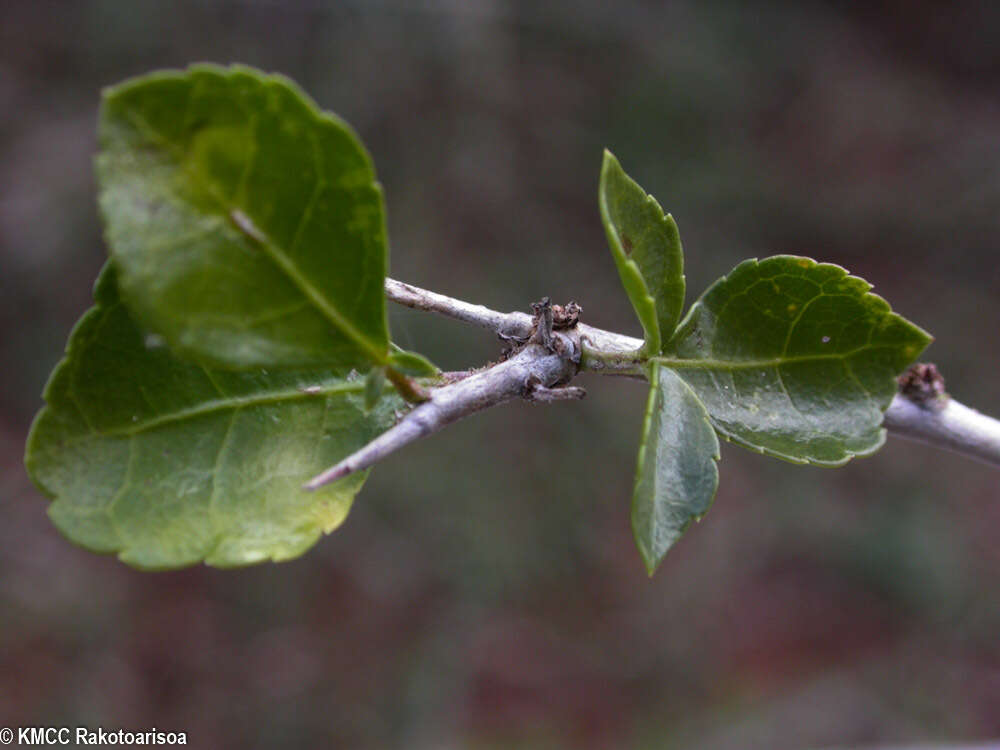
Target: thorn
(330,475)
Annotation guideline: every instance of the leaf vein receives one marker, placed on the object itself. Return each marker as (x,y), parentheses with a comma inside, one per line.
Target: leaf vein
(221,405)
(214,495)
(277,255)
(749,364)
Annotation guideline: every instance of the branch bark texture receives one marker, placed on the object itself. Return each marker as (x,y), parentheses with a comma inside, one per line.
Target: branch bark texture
(548,359)
(952,426)
(545,360)
(601,351)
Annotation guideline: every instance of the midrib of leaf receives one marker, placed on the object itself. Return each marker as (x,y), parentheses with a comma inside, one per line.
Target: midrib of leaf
(750,364)
(234,402)
(644,304)
(245,225)
(243,222)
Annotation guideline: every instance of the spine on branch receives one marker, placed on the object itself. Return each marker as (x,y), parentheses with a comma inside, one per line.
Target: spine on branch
(545,360)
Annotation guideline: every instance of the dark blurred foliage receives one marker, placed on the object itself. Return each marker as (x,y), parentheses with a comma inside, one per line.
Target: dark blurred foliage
(484,591)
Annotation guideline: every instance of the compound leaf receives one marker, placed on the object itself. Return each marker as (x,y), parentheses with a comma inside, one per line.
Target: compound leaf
(676,476)
(795,359)
(246,225)
(647,251)
(169,463)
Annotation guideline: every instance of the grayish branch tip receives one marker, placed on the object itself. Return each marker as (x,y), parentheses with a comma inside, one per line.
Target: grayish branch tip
(921,411)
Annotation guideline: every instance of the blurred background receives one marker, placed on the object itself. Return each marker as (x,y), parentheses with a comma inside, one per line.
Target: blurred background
(485,592)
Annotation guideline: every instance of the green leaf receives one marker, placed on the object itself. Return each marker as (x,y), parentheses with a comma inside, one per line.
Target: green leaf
(412,364)
(246,225)
(168,463)
(646,248)
(676,476)
(795,359)
(374,385)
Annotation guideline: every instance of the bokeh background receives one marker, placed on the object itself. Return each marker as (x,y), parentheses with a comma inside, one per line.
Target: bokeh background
(484,592)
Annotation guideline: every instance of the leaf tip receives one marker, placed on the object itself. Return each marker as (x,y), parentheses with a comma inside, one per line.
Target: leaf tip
(651,565)
(609,164)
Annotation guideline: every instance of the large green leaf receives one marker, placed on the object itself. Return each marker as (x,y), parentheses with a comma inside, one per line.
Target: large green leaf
(246,225)
(168,463)
(795,359)
(647,251)
(676,476)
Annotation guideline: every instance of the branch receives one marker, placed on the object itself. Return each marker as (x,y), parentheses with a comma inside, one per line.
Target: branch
(600,350)
(952,426)
(533,373)
(548,359)
(507,325)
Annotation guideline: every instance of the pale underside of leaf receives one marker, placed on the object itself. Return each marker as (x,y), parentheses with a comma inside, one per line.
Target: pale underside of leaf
(168,463)
(247,226)
(646,248)
(795,359)
(676,474)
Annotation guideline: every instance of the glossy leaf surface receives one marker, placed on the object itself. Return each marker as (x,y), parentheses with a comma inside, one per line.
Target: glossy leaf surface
(676,476)
(646,248)
(168,463)
(247,226)
(795,359)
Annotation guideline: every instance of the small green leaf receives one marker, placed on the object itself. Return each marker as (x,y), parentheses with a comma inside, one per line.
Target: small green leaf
(646,248)
(676,477)
(168,463)
(247,226)
(795,359)
(412,364)
(374,385)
